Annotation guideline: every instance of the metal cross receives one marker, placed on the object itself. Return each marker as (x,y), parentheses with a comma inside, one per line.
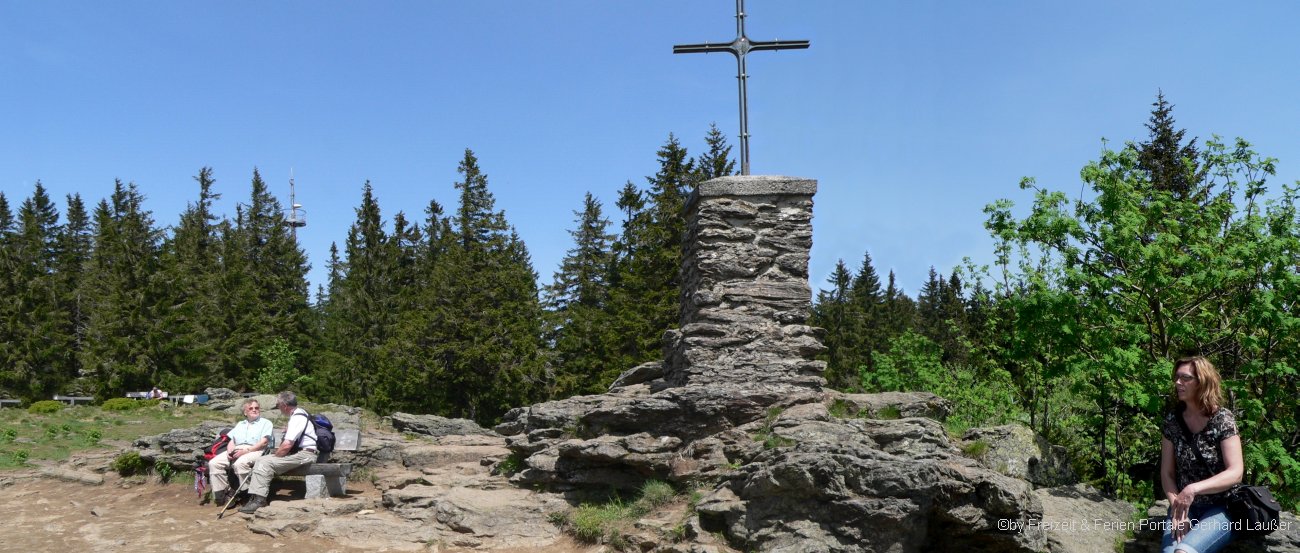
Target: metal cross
(739,47)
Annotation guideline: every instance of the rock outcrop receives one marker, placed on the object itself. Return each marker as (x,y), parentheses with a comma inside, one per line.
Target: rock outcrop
(1015,450)
(737,407)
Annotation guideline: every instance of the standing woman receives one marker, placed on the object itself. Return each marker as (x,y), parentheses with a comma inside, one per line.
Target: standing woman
(1196,484)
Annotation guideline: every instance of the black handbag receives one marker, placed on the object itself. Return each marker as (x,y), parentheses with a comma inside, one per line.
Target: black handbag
(1252,509)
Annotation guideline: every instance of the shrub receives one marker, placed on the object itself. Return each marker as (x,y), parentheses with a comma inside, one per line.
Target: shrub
(121,404)
(129,464)
(278,370)
(45,407)
(8,435)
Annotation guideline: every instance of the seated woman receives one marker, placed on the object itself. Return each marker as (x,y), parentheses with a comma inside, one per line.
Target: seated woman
(248,441)
(1200,459)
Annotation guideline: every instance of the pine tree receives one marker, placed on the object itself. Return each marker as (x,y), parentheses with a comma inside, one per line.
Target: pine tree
(361,304)
(899,311)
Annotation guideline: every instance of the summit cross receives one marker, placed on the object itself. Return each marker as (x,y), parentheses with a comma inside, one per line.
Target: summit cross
(739,47)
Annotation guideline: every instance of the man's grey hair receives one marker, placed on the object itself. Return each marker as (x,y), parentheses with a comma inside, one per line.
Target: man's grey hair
(287,398)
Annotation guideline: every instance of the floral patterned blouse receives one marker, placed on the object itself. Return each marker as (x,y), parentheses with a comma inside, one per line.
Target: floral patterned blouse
(1189,469)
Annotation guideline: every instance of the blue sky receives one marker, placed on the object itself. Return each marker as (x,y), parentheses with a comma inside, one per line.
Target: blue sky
(911,115)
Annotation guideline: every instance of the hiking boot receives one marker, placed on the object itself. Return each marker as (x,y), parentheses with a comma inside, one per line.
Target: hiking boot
(221,497)
(255,502)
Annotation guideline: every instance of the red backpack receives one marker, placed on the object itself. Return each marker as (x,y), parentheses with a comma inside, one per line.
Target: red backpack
(201,464)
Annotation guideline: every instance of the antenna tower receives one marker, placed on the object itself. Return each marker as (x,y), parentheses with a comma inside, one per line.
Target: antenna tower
(295,220)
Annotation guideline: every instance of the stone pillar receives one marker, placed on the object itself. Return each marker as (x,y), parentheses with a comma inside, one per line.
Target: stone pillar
(745,294)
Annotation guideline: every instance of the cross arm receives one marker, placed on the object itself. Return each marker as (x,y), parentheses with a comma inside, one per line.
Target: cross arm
(779,45)
(705,47)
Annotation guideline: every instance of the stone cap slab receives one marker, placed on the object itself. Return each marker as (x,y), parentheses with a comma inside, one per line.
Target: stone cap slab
(757,185)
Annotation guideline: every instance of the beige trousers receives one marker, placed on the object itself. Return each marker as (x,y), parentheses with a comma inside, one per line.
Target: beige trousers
(218,465)
(269,465)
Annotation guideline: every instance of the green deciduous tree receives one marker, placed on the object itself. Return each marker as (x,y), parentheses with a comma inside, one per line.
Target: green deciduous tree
(1173,255)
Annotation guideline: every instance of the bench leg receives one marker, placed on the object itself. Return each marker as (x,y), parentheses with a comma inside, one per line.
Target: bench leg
(319,487)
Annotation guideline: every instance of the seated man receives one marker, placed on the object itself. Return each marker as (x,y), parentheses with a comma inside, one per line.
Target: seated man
(297,449)
(247,442)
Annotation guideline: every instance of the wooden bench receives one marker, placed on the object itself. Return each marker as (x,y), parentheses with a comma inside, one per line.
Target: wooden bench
(72,400)
(325,479)
(9,403)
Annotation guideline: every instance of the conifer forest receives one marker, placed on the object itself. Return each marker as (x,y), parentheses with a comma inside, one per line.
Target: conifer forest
(1175,246)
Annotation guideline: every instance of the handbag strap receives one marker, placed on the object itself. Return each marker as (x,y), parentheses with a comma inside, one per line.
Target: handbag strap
(1191,440)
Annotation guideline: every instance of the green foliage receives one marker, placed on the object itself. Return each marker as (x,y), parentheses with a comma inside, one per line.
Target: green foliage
(914,363)
(129,464)
(45,407)
(1177,251)
(121,404)
(511,464)
(165,471)
(279,371)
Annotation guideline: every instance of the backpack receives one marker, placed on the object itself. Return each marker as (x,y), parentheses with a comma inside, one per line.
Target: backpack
(201,461)
(324,433)
(218,447)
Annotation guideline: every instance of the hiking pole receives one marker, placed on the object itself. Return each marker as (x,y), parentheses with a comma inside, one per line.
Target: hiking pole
(231,501)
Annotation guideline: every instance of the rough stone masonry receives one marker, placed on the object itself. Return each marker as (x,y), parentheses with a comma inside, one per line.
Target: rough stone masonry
(745,294)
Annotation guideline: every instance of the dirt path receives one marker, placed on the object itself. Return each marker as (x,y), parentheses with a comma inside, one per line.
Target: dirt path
(42,514)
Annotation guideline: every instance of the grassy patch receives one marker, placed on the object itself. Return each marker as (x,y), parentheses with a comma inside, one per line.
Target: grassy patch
(889,412)
(55,435)
(975,449)
(607,522)
(768,436)
(511,464)
(840,409)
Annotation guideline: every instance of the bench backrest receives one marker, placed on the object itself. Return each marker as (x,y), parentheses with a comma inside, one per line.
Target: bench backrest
(345,439)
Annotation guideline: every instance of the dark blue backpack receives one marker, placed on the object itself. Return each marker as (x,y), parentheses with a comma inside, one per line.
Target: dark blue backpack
(324,432)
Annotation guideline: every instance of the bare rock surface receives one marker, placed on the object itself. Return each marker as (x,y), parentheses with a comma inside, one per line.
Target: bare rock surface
(432,425)
(1079,519)
(1015,450)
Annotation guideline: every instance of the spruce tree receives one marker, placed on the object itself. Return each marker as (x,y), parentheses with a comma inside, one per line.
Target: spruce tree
(75,242)
(274,282)
(645,302)
(866,301)
(10,383)
(38,329)
(1169,163)
(119,349)
(716,161)
(833,312)
(191,313)
(577,301)
(484,314)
